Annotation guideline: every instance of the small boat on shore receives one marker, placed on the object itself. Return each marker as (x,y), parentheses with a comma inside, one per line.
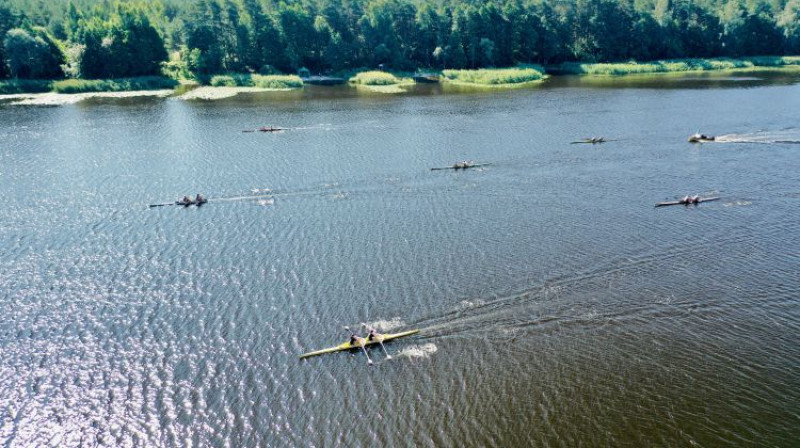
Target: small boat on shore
(426,78)
(701,138)
(323,80)
(684,201)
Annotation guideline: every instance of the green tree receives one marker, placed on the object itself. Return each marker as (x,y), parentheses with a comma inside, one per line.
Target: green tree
(8,20)
(32,55)
(789,22)
(297,25)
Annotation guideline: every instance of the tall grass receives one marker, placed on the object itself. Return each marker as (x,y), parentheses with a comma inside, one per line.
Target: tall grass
(12,86)
(114,85)
(495,77)
(674,65)
(262,81)
(378,78)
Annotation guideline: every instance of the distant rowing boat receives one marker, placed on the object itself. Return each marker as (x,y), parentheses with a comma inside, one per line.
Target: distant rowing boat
(348,346)
(461,166)
(701,138)
(182,203)
(216,200)
(664,204)
(188,203)
(591,140)
(266,129)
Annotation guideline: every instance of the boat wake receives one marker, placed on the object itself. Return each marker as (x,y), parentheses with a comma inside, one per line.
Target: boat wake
(737,204)
(418,351)
(789,136)
(387,325)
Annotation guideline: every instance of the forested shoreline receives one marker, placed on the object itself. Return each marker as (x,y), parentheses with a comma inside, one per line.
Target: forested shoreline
(196,39)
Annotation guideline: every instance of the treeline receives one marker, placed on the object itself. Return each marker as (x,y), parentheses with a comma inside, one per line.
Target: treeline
(109,39)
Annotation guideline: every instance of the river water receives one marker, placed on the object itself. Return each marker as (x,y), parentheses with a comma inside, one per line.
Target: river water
(558,307)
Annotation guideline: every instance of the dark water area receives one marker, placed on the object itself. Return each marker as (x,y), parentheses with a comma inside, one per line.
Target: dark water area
(558,307)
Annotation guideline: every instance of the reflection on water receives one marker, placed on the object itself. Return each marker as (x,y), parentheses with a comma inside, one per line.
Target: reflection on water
(557,306)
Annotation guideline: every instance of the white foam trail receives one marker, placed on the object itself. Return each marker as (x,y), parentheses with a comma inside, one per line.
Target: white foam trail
(387,325)
(737,203)
(419,351)
(466,304)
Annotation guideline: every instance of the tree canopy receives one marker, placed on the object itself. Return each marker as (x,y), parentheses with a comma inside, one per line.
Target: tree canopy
(116,38)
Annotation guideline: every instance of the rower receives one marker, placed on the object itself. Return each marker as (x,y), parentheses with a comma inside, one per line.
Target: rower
(686,200)
(374,336)
(200,198)
(186,200)
(695,199)
(355,339)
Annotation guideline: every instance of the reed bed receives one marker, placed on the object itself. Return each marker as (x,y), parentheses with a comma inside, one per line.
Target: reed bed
(378,78)
(674,65)
(260,81)
(495,77)
(113,85)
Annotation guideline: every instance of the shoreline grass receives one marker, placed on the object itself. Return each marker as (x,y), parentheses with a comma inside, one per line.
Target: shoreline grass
(72,86)
(17,86)
(260,81)
(378,78)
(673,66)
(499,77)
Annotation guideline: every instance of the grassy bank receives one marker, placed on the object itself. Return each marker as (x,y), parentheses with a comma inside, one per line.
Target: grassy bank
(495,77)
(15,86)
(113,85)
(378,78)
(673,66)
(260,81)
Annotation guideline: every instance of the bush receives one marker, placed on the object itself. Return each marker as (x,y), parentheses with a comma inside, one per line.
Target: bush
(377,78)
(223,81)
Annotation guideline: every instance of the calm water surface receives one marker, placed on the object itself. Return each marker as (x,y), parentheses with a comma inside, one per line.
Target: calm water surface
(557,306)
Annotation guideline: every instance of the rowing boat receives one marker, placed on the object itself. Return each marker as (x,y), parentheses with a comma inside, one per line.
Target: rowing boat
(461,166)
(663,204)
(592,140)
(186,204)
(701,138)
(348,346)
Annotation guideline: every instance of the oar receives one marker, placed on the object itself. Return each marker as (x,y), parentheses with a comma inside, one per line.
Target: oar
(369,361)
(380,341)
(161,205)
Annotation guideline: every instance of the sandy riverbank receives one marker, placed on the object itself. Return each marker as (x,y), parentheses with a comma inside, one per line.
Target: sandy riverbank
(60,99)
(218,93)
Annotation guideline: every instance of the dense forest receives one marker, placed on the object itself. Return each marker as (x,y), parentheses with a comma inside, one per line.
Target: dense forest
(92,39)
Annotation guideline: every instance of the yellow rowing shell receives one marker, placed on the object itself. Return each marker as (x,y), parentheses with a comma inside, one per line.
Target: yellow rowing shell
(348,346)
